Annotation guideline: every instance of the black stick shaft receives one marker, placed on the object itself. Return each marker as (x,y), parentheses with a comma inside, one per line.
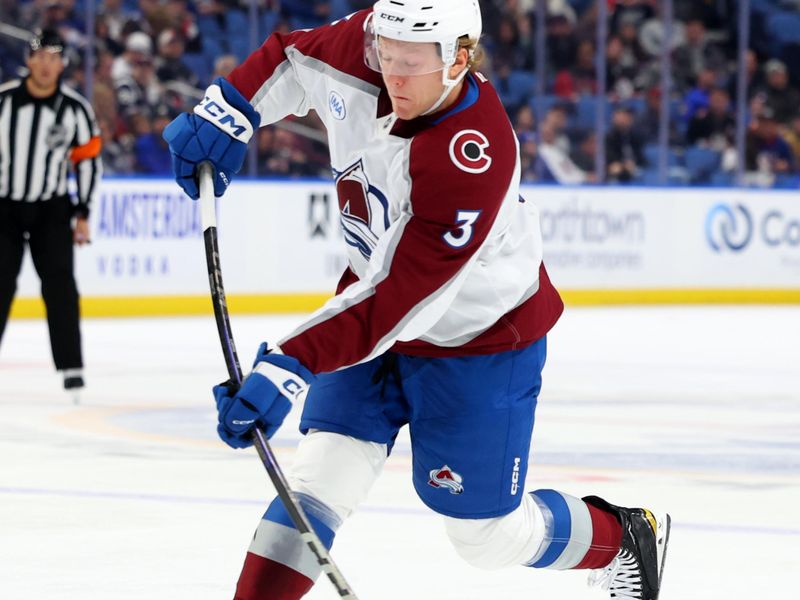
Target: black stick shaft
(301,522)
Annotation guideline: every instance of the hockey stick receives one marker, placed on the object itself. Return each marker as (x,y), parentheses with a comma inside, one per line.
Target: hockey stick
(301,522)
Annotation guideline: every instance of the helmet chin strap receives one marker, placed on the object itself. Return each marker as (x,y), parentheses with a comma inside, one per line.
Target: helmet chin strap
(449,84)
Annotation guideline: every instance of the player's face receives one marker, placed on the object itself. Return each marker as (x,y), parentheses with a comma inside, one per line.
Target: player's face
(412,95)
(412,73)
(45,67)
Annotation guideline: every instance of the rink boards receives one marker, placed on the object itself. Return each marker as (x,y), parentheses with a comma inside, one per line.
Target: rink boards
(282,250)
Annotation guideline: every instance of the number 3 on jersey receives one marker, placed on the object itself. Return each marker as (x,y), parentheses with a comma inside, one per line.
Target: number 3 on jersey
(461,236)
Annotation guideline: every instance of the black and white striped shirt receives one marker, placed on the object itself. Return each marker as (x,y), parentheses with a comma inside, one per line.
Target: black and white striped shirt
(39,137)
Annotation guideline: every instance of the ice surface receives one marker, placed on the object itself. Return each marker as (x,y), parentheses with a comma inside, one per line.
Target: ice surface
(130,495)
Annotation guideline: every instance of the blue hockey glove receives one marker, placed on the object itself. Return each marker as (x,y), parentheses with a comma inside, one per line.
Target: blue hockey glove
(217,131)
(264,399)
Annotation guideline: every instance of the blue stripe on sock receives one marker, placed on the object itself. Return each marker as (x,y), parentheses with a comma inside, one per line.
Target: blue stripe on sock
(277,513)
(562,526)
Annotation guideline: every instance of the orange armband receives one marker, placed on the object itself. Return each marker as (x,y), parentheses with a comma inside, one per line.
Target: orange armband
(88,150)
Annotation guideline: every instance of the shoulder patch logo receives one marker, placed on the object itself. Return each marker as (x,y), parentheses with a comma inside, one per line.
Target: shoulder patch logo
(336,105)
(468,151)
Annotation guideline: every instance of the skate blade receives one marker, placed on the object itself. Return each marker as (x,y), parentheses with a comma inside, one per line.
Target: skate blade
(664,522)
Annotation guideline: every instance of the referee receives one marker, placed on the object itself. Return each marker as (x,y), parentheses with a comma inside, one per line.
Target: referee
(44,128)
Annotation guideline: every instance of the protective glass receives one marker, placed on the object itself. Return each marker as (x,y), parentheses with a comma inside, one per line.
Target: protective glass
(403,59)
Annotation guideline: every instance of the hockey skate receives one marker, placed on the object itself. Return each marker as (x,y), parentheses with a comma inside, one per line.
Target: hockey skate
(73,384)
(635,573)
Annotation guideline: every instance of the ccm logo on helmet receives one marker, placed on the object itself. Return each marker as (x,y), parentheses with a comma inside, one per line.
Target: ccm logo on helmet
(468,151)
(392,18)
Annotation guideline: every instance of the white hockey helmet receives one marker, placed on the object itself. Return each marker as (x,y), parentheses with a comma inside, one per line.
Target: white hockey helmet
(441,22)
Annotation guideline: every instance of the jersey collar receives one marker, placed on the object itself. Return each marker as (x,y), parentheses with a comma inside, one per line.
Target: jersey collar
(467,97)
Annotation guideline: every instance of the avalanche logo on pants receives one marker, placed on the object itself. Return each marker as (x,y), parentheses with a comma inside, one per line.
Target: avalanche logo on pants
(446,478)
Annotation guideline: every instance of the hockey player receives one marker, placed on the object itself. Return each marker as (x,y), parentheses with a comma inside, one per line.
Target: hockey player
(440,320)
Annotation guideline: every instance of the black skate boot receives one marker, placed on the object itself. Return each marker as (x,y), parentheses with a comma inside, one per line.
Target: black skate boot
(73,383)
(635,573)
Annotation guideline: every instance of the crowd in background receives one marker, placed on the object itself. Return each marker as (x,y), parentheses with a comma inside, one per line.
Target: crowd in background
(153,58)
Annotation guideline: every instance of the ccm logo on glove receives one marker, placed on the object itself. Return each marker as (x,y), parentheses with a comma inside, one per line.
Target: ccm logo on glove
(215,109)
(293,388)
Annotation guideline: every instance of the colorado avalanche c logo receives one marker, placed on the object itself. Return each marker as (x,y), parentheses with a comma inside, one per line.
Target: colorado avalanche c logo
(468,151)
(363,208)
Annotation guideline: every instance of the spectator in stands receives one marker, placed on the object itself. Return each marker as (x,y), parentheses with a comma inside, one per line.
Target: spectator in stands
(557,166)
(526,43)
(767,152)
(290,156)
(698,97)
(777,93)
(713,127)
(60,15)
(224,65)
(169,66)
(791,134)
(621,69)
(152,152)
(140,92)
(633,12)
(103,65)
(561,42)
(584,155)
(103,40)
(525,127)
(505,52)
(183,21)
(528,156)
(581,78)
(628,34)
(524,121)
(104,102)
(652,32)
(138,47)
(115,14)
(754,77)
(265,146)
(154,16)
(624,148)
(696,55)
(648,122)
(118,159)
(558,117)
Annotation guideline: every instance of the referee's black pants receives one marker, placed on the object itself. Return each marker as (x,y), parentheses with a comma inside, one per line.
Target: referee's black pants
(46,228)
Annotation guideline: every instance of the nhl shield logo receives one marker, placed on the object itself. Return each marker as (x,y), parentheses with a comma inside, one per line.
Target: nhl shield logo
(56,136)
(446,478)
